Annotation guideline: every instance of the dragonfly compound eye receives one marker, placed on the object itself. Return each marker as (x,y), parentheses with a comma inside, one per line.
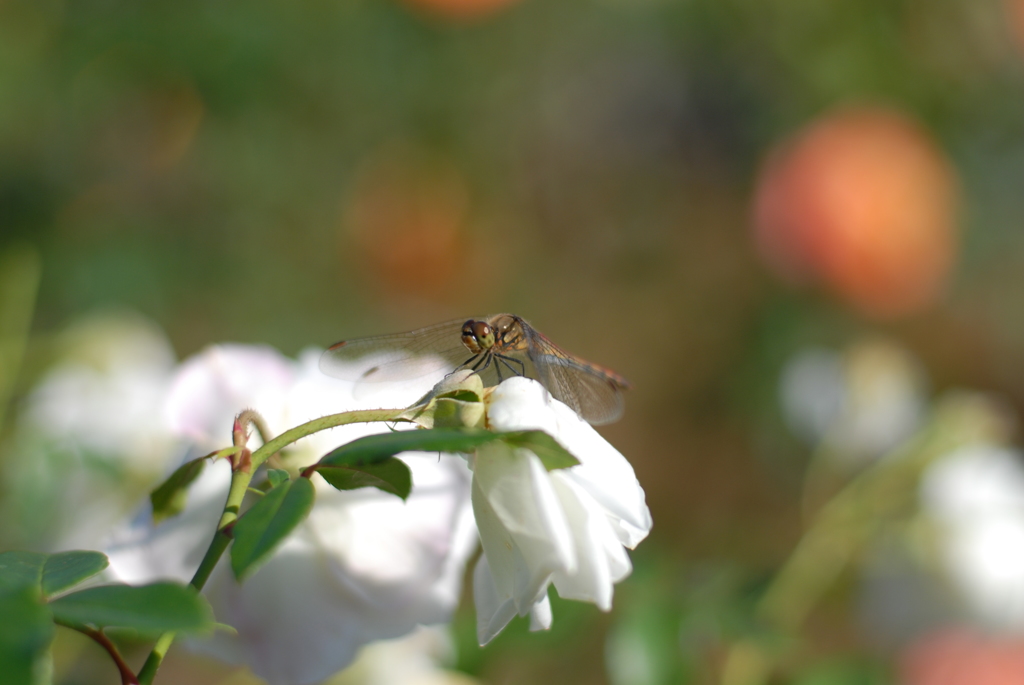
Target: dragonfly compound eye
(469,337)
(477,336)
(484,334)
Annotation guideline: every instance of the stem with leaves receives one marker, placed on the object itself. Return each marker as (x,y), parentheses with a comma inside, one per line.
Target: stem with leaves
(244,466)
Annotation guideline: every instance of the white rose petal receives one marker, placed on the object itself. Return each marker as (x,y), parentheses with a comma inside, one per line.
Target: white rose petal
(602,559)
(567,527)
(541,615)
(493,609)
(522,526)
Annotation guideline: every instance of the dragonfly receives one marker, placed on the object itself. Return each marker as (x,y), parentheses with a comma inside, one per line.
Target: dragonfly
(494,347)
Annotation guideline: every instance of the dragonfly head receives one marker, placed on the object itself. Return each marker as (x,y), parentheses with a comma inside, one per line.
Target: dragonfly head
(477,336)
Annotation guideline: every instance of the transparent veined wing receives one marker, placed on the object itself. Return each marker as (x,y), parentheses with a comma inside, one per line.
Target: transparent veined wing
(427,354)
(590,390)
(433,350)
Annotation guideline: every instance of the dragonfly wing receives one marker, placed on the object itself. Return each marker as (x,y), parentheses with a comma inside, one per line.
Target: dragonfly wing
(596,398)
(434,350)
(593,394)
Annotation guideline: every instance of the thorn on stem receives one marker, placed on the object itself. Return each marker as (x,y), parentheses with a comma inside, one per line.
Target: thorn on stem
(242,461)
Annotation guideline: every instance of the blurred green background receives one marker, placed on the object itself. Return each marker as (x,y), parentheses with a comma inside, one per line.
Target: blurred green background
(300,172)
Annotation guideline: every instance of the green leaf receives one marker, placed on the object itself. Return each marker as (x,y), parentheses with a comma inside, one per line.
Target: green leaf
(268,523)
(26,629)
(49,573)
(225,628)
(376,448)
(156,608)
(547,449)
(18,569)
(277,476)
(169,499)
(66,569)
(390,475)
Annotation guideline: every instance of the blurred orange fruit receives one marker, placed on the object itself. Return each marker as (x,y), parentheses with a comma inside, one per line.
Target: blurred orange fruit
(407,216)
(961,657)
(461,9)
(863,201)
(1014,10)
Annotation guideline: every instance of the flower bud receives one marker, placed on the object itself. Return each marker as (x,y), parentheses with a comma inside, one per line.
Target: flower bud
(455,402)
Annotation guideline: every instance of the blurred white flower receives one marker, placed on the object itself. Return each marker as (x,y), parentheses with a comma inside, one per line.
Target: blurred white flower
(212,387)
(567,527)
(364,566)
(976,496)
(416,659)
(862,402)
(101,397)
(812,391)
(92,439)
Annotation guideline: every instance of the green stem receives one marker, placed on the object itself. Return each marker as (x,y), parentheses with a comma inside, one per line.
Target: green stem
(240,480)
(221,539)
(323,423)
(848,522)
(220,542)
(156,657)
(845,525)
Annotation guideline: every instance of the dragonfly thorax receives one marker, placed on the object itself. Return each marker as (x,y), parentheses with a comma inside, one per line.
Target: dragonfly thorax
(478,336)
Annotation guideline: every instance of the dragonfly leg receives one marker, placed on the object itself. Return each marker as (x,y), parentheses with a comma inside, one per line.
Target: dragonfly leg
(464,364)
(508,361)
(497,367)
(486,359)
